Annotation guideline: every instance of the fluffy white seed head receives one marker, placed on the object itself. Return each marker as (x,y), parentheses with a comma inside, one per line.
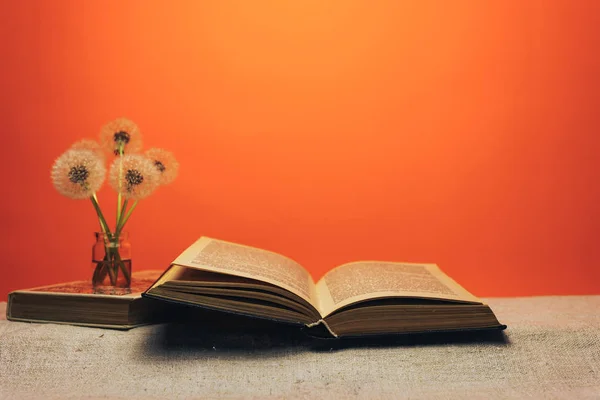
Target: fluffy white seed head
(134,176)
(165,163)
(121,132)
(78,173)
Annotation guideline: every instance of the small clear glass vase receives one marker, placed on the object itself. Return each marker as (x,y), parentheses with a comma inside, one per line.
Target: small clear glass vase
(111,261)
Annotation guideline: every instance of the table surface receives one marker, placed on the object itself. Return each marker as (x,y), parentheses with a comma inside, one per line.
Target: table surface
(551,349)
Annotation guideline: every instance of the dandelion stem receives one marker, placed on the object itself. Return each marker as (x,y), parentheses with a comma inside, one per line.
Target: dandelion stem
(105,231)
(103,223)
(122,215)
(123,268)
(107,266)
(124,221)
(119,198)
(118,210)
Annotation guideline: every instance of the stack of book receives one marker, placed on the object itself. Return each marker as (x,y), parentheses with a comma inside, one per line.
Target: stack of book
(356,299)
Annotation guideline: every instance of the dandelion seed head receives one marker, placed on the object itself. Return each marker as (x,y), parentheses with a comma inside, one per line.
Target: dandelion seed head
(165,163)
(78,173)
(122,137)
(88,144)
(121,133)
(159,166)
(134,176)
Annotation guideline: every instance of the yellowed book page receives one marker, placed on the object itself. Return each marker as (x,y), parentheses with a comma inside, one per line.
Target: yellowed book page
(249,262)
(368,280)
(174,272)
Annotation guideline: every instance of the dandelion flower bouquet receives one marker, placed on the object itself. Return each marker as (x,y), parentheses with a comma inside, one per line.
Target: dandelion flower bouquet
(80,172)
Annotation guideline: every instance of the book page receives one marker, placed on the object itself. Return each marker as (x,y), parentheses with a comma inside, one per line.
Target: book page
(249,262)
(367,280)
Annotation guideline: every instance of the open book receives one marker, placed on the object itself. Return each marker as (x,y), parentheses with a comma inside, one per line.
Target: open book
(354,299)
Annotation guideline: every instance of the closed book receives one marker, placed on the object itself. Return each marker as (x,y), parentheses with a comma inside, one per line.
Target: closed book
(78,303)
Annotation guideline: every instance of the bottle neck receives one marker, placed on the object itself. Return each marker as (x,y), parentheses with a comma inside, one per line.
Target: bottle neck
(106,238)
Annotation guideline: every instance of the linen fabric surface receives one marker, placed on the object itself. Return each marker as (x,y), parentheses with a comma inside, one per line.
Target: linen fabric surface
(550,350)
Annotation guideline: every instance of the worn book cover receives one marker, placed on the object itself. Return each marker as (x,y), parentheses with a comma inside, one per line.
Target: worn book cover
(78,303)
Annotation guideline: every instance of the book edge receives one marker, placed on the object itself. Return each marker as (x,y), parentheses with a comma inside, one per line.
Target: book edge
(123,297)
(500,327)
(186,304)
(90,325)
(8,306)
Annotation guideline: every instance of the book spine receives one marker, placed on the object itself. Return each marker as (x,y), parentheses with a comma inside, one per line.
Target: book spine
(8,306)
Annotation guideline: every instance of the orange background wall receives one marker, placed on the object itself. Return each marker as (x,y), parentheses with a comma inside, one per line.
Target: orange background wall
(465,133)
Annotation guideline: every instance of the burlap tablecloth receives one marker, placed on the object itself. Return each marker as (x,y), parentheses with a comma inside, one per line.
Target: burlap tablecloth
(551,349)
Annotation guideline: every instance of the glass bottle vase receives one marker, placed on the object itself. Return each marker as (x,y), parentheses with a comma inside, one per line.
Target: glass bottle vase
(111,261)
